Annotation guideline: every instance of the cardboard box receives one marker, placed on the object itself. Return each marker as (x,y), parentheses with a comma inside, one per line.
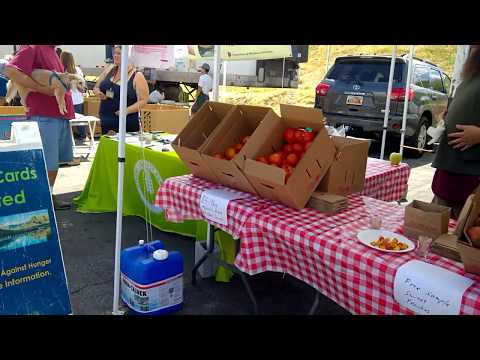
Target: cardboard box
(446,244)
(12,110)
(470,257)
(269,181)
(91,107)
(347,172)
(191,140)
(238,124)
(471,219)
(167,118)
(469,253)
(426,219)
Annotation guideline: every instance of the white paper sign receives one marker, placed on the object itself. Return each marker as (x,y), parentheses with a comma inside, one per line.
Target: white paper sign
(427,289)
(214,204)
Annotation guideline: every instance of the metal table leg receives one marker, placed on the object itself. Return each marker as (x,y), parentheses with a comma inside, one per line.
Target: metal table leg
(210,248)
(315,303)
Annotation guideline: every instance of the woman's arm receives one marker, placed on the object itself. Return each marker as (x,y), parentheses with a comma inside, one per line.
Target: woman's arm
(141,87)
(466,138)
(96,88)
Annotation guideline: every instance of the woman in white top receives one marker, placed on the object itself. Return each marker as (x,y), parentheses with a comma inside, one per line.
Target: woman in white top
(68,62)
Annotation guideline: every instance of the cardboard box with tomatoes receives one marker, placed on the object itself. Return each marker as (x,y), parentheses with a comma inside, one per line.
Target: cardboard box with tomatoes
(228,148)
(195,136)
(288,155)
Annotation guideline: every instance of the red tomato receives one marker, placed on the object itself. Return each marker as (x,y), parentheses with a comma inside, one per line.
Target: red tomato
(238,147)
(292,159)
(276,159)
(308,137)
(298,148)
(230,153)
(262,159)
(307,145)
(298,136)
(288,135)
(287,148)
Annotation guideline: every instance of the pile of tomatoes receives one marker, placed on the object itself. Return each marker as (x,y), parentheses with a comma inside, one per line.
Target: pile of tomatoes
(296,143)
(231,151)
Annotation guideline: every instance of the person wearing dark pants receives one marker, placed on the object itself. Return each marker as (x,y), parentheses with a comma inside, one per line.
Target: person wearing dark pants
(204,87)
(458,156)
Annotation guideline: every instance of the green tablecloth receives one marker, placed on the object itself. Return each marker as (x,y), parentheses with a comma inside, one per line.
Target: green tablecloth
(100,192)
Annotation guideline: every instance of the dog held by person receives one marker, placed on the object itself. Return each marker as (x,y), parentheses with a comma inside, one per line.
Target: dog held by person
(60,83)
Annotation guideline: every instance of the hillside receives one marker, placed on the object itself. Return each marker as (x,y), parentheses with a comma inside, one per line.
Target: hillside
(313,71)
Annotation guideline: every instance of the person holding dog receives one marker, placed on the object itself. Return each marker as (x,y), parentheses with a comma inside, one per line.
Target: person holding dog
(107,89)
(42,107)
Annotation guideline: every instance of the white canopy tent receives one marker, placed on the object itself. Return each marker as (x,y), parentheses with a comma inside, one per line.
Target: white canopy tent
(215,88)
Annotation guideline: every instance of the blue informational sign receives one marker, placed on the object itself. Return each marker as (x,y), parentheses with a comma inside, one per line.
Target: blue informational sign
(32,273)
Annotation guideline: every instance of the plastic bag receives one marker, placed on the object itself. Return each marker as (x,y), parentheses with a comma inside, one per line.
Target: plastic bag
(340,131)
(436,132)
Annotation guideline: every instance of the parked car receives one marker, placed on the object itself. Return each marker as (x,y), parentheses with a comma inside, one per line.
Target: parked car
(354,92)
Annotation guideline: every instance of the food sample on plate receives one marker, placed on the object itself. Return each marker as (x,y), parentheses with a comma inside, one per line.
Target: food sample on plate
(386,243)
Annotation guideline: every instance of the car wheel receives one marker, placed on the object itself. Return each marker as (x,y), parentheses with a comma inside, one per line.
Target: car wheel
(418,140)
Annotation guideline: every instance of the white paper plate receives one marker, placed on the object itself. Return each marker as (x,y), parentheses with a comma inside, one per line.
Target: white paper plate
(367,236)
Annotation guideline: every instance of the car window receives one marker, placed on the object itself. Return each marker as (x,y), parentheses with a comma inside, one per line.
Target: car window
(436,81)
(422,77)
(446,82)
(361,70)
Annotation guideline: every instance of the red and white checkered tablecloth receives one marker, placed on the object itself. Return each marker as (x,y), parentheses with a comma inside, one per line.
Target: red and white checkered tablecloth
(322,250)
(180,198)
(384,181)
(317,248)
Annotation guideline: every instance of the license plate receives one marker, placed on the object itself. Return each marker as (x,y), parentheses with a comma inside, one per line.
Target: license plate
(354,100)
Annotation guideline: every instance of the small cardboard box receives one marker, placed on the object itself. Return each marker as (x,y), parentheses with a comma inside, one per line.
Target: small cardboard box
(269,181)
(195,135)
(346,175)
(167,118)
(12,110)
(446,244)
(469,248)
(238,124)
(426,219)
(471,219)
(91,107)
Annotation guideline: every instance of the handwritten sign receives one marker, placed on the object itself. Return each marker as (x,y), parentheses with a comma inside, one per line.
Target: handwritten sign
(214,204)
(427,289)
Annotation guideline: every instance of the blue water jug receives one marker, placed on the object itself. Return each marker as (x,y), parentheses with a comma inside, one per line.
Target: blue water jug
(152,279)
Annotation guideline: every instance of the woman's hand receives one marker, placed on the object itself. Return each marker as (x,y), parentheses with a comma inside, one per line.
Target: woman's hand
(100,94)
(468,137)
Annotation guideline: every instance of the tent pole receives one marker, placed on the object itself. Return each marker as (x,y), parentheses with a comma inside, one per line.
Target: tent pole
(216,75)
(121,169)
(406,101)
(387,104)
(328,59)
(224,79)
